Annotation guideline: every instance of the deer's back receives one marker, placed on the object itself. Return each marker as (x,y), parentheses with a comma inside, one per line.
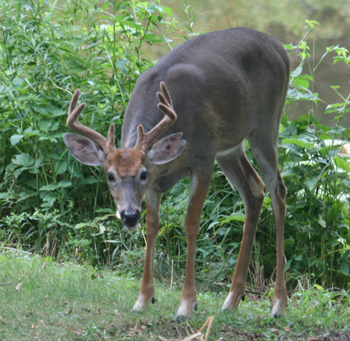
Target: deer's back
(224,86)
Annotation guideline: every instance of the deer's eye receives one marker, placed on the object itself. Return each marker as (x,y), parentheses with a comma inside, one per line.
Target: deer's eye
(110,176)
(143,176)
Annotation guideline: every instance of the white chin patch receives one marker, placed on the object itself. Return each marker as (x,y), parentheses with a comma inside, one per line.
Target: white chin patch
(118,214)
(131,229)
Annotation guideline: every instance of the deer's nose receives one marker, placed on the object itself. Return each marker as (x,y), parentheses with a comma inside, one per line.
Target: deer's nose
(130,217)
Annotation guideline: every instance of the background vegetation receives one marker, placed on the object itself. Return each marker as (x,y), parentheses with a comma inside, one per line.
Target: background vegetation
(52,205)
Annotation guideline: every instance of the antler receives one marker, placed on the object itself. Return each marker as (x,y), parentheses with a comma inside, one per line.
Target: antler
(108,145)
(144,140)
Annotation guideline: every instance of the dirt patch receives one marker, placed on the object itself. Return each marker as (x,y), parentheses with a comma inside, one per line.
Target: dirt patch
(337,336)
(231,333)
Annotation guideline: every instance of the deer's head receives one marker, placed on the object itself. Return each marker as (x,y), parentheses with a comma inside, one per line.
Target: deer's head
(129,171)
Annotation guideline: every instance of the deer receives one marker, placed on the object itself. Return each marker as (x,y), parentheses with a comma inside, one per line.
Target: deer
(198,104)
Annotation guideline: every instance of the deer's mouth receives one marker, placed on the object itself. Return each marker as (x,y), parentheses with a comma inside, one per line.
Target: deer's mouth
(129,220)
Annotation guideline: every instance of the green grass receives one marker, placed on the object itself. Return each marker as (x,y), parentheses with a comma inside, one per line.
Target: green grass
(64,301)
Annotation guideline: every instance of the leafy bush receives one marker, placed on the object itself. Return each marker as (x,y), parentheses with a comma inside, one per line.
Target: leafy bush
(317,176)
(46,52)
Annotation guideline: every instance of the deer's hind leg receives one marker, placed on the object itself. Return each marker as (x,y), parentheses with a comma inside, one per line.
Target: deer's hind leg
(265,151)
(243,177)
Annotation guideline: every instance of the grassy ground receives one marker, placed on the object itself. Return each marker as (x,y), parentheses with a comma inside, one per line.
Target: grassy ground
(44,300)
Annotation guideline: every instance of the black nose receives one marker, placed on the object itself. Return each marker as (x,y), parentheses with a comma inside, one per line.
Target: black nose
(130,218)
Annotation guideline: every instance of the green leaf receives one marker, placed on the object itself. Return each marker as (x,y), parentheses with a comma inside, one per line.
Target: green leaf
(121,65)
(294,94)
(297,71)
(81,225)
(342,164)
(104,7)
(23,160)
(319,287)
(344,268)
(26,194)
(167,10)
(91,181)
(30,132)
(49,200)
(287,266)
(290,132)
(293,148)
(301,83)
(321,221)
(311,182)
(298,142)
(44,138)
(64,183)
(105,210)
(49,187)
(54,156)
(48,125)
(17,82)
(15,139)
(75,170)
(56,111)
(298,258)
(5,195)
(60,167)
(238,216)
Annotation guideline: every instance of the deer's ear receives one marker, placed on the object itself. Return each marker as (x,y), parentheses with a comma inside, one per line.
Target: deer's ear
(84,150)
(166,149)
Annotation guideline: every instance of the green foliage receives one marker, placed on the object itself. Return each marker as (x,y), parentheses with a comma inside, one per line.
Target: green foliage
(47,50)
(51,204)
(316,173)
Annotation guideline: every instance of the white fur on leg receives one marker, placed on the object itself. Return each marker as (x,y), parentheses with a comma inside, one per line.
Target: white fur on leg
(186,309)
(278,308)
(233,299)
(226,305)
(183,311)
(140,305)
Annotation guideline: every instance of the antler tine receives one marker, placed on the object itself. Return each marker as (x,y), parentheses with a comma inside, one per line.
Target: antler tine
(165,93)
(111,137)
(107,145)
(73,102)
(144,140)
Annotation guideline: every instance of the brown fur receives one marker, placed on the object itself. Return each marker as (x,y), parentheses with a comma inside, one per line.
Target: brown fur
(127,162)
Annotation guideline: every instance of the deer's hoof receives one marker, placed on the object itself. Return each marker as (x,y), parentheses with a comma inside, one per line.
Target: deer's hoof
(232,301)
(186,309)
(142,304)
(180,318)
(279,308)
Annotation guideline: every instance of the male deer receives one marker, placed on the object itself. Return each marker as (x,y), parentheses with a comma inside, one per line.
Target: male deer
(221,87)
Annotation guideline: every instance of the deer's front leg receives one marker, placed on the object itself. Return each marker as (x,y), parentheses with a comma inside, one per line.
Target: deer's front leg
(199,188)
(146,294)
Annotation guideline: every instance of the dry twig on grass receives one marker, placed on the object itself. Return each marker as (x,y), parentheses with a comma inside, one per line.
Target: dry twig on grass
(197,335)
